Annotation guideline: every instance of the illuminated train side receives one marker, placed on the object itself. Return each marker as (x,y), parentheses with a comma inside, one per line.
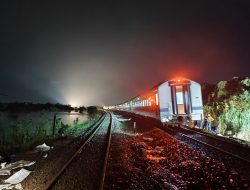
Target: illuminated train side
(169,101)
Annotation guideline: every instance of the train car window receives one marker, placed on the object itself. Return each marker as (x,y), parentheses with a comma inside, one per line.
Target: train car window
(173,94)
(179,94)
(156,99)
(180,100)
(187,99)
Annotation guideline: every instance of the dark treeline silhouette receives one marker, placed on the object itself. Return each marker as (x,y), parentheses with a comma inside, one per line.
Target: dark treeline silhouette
(207,90)
(31,107)
(223,90)
(82,109)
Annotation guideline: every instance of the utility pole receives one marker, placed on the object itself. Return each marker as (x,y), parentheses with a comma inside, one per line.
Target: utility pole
(54,124)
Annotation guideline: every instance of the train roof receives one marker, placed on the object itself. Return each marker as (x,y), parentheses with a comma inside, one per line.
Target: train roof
(155,88)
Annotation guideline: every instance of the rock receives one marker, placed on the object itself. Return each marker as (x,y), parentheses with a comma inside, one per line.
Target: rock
(159,148)
(148,139)
(143,144)
(170,186)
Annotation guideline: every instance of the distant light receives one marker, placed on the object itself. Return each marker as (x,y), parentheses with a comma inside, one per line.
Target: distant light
(178,80)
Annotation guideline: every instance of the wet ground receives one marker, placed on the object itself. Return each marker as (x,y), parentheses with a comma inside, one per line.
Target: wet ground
(142,158)
(151,159)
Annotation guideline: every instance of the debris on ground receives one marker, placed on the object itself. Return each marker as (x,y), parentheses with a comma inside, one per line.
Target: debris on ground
(3,164)
(14,181)
(43,147)
(120,118)
(10,186)
(5,186)
(6,169)
(18,177)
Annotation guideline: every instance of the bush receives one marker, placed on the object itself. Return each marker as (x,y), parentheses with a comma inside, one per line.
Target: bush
(92,111)
(236,116)
(82,109)
(229,104)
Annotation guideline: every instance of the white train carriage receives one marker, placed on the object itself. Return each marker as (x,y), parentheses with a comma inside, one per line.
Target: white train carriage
(180,98)
(170,100)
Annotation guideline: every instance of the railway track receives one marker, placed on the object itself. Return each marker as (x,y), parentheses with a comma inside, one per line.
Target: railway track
(225,146)
(229,154)
(87,167)
(229,148)
(233,141)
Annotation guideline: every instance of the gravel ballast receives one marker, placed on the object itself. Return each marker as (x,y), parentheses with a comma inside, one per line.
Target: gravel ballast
(154,160)
(142,158)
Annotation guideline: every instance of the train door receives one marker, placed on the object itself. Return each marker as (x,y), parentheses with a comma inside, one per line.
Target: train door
(181,99)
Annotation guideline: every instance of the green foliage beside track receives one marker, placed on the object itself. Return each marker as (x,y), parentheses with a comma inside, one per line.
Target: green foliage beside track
(229,103)
(27,131)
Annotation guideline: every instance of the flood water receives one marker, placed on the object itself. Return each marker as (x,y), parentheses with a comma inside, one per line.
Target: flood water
(21,129)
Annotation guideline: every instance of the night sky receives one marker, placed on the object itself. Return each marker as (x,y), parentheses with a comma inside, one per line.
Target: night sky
(87,53)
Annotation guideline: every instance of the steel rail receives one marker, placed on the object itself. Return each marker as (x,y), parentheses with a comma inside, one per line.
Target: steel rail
(215,138)
(223,139)
(211,146)
(88,138)
(209,136)
(218,149)
(106,155)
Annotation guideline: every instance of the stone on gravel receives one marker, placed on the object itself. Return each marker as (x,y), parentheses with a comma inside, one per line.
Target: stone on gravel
(148,139)
(142,144)
(159,149)
(155,158)
(170,186)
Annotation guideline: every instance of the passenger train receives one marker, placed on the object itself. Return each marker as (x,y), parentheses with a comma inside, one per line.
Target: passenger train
(172,100)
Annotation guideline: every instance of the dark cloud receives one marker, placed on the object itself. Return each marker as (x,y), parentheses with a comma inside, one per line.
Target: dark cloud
(103,53)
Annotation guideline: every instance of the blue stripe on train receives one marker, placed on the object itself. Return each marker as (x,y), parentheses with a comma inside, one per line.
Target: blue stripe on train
(164,110)
(197,108)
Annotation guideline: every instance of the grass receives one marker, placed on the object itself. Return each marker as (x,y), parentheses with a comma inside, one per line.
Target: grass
(27,133)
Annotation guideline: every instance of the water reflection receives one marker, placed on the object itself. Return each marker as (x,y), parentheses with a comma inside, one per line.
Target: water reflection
(26,129)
